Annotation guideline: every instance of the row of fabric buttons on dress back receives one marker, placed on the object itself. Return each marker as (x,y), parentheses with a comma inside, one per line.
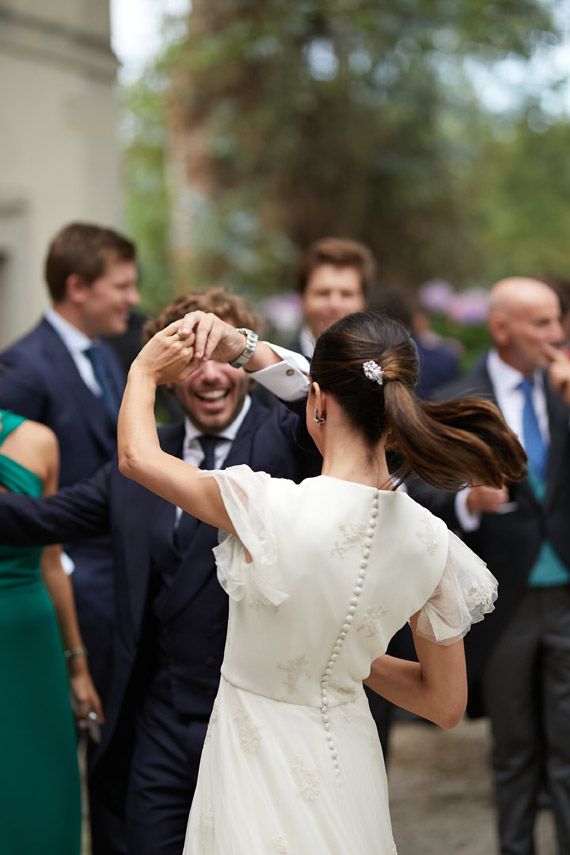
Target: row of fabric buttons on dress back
(349,617)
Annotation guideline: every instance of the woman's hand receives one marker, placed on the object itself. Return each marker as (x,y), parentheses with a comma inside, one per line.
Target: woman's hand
(84,697)
(211,337)
(168,357)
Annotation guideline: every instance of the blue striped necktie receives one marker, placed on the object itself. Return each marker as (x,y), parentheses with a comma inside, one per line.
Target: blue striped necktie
(534,444)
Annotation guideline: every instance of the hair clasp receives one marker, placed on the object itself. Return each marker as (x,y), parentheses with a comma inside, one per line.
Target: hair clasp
(373,372)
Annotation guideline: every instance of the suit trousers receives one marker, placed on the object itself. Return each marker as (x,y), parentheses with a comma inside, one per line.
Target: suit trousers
(526,691)
(163,774)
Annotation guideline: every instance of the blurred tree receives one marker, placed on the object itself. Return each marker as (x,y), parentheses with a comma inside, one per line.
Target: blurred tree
(290,121)
(519,190)
(146,199)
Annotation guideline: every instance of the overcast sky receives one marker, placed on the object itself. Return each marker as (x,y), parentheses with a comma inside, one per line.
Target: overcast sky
(136,30)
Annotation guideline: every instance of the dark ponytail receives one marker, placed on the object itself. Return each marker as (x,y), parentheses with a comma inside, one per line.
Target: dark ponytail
(462,442)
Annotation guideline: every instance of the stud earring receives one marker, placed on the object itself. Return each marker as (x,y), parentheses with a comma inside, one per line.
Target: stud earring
(318,420)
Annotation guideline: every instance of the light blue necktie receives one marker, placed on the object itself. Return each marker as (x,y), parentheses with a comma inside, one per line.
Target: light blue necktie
(534,444)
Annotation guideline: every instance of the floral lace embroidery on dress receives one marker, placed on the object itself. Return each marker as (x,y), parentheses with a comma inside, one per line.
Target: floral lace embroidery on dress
(294,669)
(353,535)
(206,830)
(280,847)
(428,535)
(258,604)
(372,622)
(306,780)
(248,732)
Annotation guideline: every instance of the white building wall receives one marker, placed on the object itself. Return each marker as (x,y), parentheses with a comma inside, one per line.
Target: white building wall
(59,152)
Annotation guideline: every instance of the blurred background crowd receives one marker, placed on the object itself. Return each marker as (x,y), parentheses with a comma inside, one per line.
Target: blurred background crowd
(315,157)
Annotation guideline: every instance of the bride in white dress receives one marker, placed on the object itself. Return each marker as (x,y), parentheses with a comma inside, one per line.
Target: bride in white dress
(320,576)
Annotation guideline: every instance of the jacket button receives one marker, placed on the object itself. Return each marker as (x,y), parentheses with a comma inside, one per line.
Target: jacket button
(209,660)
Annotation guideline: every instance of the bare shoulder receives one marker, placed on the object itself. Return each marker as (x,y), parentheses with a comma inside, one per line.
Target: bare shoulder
(34,446)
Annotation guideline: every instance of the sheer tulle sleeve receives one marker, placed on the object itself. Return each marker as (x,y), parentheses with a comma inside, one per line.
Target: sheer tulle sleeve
(464,595)
(245,496)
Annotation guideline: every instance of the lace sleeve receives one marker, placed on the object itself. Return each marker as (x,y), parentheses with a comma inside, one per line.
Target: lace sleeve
(465,594)
(245,496)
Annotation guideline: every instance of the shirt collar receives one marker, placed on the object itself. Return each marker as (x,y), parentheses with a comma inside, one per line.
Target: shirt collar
(191,432)
(307,341)
(504,377)
(73,338)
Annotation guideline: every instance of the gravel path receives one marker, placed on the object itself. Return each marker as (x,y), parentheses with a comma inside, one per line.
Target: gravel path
(441,792)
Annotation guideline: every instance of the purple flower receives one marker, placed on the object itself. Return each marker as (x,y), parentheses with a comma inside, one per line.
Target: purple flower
(469,307)
(435,296)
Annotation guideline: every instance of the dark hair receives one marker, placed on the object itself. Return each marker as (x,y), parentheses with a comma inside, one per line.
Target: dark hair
(227,306)
(463,442)
(340,252)
(83,249)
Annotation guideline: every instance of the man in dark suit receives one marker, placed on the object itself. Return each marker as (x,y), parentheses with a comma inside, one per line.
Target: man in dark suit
(333,278)
(62,374)
(172,613)
(520,656)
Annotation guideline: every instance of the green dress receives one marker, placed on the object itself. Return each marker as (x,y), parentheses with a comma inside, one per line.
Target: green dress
(40,812)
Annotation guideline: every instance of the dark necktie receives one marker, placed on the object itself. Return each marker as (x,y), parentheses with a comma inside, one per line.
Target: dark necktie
(534,444)
(188,525)
(111,399)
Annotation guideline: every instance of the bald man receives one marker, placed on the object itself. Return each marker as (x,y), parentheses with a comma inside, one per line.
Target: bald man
(519,659)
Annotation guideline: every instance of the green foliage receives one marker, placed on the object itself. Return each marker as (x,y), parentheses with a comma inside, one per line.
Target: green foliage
(519,206)
(474,338)
(346,117)
(146,199)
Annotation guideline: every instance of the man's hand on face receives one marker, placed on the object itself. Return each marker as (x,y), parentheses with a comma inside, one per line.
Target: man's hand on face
(558,371)
(212,338)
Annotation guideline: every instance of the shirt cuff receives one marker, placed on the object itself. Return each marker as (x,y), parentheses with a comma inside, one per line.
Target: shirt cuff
(288,379)
(467,520)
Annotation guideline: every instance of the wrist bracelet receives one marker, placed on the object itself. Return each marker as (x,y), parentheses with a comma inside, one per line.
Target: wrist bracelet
(75,652)
(251,338)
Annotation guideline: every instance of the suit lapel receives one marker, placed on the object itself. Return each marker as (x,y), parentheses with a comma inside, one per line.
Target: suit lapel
(160,517)
(89,407)
(192,572)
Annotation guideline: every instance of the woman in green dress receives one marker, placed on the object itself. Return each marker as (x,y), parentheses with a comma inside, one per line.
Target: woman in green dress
(40,809)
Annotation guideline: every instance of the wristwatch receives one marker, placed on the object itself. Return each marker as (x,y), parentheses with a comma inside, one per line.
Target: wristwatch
(251,339)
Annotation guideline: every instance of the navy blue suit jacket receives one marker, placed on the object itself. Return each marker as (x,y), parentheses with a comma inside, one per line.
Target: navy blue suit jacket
(194,612)
(39,380)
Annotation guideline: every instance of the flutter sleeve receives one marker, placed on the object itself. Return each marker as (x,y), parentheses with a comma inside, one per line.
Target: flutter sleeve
(465,594)
(245,495)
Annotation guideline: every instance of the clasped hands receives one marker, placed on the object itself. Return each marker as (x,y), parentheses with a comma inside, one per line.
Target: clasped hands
(184,345)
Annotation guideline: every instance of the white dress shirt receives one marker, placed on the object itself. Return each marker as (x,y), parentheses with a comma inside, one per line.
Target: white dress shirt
(287,379)
(510,398)
(77,343)
(307,341)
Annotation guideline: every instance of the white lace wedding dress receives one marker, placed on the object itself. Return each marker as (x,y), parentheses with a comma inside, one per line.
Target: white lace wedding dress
(292,764)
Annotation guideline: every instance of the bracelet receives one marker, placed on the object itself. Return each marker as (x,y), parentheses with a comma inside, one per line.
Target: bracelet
(251,338)
(75,652)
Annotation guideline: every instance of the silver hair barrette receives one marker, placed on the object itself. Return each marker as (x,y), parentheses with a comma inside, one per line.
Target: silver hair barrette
(373,372)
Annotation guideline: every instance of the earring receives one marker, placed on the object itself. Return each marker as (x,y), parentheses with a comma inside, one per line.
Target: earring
(318,420)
